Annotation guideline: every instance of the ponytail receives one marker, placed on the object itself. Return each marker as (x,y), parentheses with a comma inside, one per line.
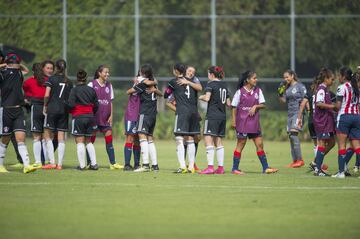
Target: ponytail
(245,76)
(320,78)
(217,71)
(60,69)
(346,72)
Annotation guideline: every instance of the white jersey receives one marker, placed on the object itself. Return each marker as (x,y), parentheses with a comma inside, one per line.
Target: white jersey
(350,103)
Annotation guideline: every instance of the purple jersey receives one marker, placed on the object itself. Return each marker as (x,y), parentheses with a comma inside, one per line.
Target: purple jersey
(132,109)
(105,96)
(323,118)
(243,101)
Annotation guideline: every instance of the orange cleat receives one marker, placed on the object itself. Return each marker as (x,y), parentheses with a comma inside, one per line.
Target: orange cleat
(298,163)
(49,166)
(291,165)
(58,167)
(196,168)
(238,172)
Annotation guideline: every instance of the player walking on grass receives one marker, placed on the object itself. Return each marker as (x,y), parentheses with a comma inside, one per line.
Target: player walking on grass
(186,119)
(104,115)
(147,119)
(247,102)
(348,119)
(56,114)
(217,96)
(83,103)
(12,115)
(293,93)
(323,118)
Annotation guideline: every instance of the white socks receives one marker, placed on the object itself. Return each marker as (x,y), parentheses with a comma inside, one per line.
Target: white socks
(210,155)
(180,151)
(191,153)
(220,155)
(81,154)
(23,153)
(50,151)
(144,151)
(91,151)
(3,148)
(61,152)
(152,152)
(43,143)
(37,151)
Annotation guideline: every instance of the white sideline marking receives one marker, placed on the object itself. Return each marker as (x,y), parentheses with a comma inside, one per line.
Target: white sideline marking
(183,186)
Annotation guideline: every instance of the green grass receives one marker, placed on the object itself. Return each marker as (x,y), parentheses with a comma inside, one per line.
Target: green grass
(117,204)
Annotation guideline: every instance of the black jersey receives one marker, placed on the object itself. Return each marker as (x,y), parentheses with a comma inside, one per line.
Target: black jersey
(185,96)
(148,102)
(83,100)
(11,81)
(216,109)
(59,94)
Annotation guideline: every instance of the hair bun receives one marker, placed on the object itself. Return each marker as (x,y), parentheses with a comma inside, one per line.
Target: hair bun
(81,74)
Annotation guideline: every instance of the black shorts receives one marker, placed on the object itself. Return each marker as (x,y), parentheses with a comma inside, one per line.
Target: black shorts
(12,119)
(215,127)
(56,122)
(311,130)
(37,118)
(83,126)
(187,124)
(146,124)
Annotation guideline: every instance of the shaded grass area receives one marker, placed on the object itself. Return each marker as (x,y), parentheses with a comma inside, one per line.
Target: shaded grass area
(117,204)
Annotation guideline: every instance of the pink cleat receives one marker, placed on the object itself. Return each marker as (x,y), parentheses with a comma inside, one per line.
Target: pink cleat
(208,170)
(49,166)
(58,167)
(219,170)
(238,172)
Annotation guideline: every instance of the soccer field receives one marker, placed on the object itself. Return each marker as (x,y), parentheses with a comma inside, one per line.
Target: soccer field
(117,204)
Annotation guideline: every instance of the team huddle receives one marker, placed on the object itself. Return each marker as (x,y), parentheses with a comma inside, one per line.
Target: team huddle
(50,97)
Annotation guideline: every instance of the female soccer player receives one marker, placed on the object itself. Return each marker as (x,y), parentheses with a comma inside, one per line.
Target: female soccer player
(83,103)
(34,90)
(294,96)
(56,114)
(12,115)
(323,118)
(147,119)
(217,96)
(104,115)
(186,119)
(348,119)
(247,102)
(132,143)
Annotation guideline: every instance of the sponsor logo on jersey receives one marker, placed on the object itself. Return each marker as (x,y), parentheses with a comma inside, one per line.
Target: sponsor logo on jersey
(103,102)
(246,108)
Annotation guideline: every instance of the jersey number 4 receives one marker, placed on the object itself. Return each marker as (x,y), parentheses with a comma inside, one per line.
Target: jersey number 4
(187,91)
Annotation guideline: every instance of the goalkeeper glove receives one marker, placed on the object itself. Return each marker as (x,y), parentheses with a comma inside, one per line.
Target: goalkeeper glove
(282,88)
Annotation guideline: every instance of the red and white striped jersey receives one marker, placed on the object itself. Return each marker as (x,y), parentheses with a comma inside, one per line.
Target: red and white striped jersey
(350,103)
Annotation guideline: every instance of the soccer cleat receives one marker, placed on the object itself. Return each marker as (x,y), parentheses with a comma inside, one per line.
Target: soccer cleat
(3,169)
(208,171)
(339,175)
(128,167)
(137,167)
(29,169)
(116,166)
(155,168)
(238,172)
(58,167)
(142,169)
(192,171)
(347,173)
(291,165)
(320,173)
(49,166)
(94,167)
(17,165)
(219,171)
(356,169)
(80,168)
(197,169)
(270,170)
(312,166)
(37,165)
(298,163)
(181,171)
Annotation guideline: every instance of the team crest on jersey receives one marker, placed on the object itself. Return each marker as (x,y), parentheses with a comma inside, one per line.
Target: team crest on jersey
(256,96)
(293,91)
(6,129)
(107,90)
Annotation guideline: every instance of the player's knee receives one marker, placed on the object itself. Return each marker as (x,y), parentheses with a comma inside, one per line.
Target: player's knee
(179,140)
